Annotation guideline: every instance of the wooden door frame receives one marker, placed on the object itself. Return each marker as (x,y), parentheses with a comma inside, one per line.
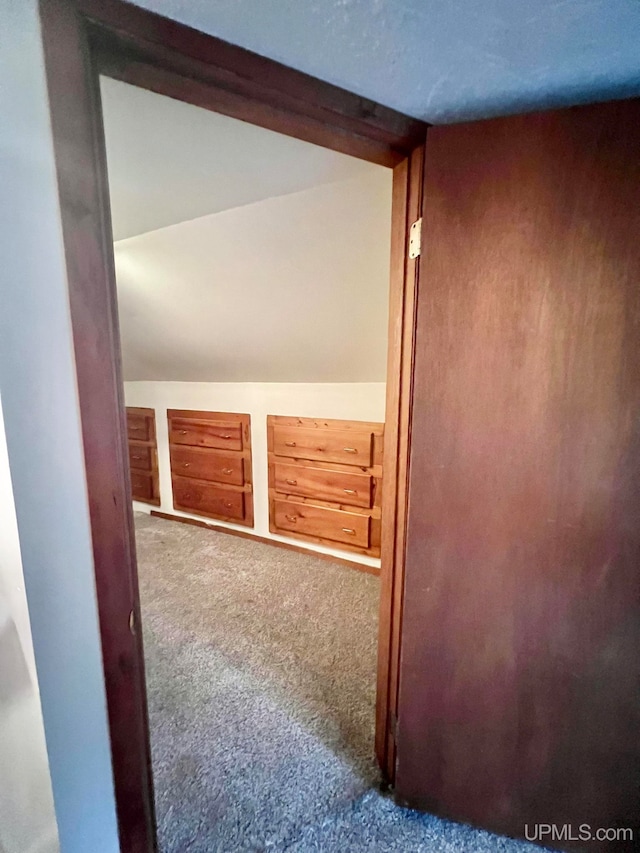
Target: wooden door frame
(85,38)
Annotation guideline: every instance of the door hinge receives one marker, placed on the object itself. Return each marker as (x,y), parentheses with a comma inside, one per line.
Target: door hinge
(415,235)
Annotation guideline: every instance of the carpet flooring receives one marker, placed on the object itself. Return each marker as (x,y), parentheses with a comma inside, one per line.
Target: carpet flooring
(261,684)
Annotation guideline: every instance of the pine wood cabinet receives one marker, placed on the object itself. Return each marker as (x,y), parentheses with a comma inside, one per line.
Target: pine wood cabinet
(325,481)
(211,468)
(143,455)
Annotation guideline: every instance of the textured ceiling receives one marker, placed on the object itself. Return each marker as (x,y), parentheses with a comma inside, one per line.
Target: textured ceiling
(440,60)
(170,162)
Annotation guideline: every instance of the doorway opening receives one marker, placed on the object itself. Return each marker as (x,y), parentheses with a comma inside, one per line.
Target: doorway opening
(252,274)
(83,40)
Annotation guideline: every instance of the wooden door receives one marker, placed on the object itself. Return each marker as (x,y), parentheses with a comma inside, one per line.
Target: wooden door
(519,697)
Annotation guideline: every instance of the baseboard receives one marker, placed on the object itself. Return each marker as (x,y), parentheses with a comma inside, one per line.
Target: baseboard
(360,567)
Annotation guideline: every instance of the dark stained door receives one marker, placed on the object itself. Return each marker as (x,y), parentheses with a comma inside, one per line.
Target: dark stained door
(519,694)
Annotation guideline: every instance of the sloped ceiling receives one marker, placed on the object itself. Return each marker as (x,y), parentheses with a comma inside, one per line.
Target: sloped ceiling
(245,256)
(170,162)
(440,60)
(288,289)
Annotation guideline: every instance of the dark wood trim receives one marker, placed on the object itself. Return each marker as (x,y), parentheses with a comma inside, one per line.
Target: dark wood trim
(78,139)
(406,209)
(148,50)
(83,38)
(288,546)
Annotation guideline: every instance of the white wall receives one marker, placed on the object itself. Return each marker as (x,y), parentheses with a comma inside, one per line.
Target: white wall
(288,289)
(27,819)
(39,399)
(348,401)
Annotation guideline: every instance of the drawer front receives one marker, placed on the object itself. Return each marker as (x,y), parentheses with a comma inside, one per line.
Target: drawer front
(330,445)
(208,499)
(332,524)
(208,465)
(341,487)
(199,433)
(141,485)
(138,427)
(140,457)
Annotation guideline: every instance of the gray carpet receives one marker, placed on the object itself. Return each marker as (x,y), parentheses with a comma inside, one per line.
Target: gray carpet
(261,680)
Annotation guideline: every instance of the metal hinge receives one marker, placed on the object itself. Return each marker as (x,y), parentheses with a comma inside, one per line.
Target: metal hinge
(415,234)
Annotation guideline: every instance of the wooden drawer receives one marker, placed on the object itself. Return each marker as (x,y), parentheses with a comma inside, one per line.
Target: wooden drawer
(207,499)
(205,464)
(142,485)
(139,427)
(339,486)
(141,457)
(202,433)
(323,523)
(328,445)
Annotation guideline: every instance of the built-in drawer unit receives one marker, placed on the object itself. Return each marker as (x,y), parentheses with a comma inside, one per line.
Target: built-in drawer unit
(325,481)
(211,469)
(208,464)
(215,433)
(324,445)
(143,455)
(342,487)
(142,487)
(208,499)
(320,522)
(140,427)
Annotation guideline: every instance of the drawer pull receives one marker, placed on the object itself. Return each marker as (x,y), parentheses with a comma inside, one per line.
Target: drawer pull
(136,457)
(350,491)
(349,530)
(225,435)
(350,449)
(186,464)
(227,470)
(183,432)
(293,518)
(135,429)
(292,482)
(290,444)
(228,504)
